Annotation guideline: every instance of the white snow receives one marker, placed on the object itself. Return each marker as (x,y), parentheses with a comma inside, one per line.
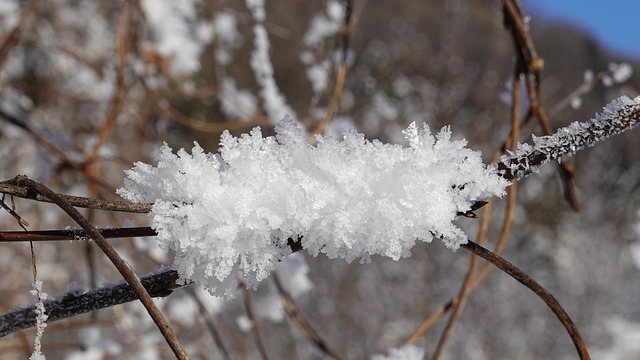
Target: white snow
(176,33)
(227,35)
(41,320)
(406,352)
(274,102)
(620,72)
(236,103)
(325,25)
(231,213)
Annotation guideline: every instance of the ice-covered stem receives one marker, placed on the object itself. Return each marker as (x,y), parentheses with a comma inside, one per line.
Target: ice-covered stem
(618,116)
(75,303)
(40,320)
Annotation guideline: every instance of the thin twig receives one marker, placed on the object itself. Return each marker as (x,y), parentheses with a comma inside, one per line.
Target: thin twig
(213,329)
(538,289)
(117,261)
(11,38)
(22,222)
(10,188)
(467,285)
(74,234)
(254,322)
(296,317)
(531,66)
(341,74)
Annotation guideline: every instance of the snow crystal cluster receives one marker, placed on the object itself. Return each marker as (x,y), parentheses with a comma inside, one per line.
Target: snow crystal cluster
(618,116)
(236,212)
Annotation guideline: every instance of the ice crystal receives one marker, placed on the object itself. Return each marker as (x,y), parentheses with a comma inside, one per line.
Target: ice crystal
(236,212)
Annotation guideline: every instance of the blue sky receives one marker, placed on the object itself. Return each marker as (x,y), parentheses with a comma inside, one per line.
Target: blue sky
(614,23)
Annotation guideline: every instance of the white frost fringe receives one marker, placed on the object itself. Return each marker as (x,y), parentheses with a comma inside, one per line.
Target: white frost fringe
(232,213)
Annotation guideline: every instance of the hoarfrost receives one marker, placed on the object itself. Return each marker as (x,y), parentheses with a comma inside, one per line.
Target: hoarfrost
(407,352)
(233,213)
(41,320)
(618,116)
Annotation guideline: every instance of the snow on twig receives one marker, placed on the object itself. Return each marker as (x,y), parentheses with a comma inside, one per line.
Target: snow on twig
(232,213)
(41,320)
(618,116)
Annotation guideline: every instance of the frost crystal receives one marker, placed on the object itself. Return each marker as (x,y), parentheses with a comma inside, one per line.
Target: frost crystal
(618,116)
(41,320)
(407,352)
(233,213)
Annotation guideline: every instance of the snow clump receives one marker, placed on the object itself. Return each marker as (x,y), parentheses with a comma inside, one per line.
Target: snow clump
(236,213)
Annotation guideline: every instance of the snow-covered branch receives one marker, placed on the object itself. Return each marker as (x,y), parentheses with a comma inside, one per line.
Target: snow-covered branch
(232,213)
(76,301)
(618,116)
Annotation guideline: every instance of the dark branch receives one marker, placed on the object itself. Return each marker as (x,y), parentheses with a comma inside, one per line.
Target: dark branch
(9,188)
(76,303)
(538,289)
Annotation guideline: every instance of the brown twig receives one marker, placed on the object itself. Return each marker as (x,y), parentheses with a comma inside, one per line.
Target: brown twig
(341,74)
(124,38)
(11,38)
(531,66)
(296,317)
(467,285)
(21,222)
(74,234)
(255,326)
(538,289)
(213,329)
(119,263)
(10,188)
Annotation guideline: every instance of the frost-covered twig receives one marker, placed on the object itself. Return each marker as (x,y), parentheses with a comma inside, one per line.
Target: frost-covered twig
(538,289)
(76,302)
(274,102)
(233,213)
(618,116)
(40,320)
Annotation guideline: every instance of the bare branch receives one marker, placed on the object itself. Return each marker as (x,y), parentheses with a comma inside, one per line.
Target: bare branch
(296,318)
(542,293)
(9,188)
(73,234)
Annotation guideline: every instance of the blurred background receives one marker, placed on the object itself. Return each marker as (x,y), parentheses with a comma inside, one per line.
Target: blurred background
(88,88)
